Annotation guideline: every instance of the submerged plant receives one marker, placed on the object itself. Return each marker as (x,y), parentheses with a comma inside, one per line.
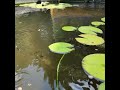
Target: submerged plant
(90,30)
(69,28)
(89,39)
(101,86)
(94,64)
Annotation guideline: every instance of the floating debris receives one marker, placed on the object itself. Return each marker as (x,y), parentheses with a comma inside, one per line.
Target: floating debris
(38,29)
(20,22)
(96,49)
(29,84)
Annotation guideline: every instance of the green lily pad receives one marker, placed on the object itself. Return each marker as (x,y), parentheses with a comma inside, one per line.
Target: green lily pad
(90,39)
(94,64)
(61,47)
(69,28)
(103,19)
(101,86)
(28,5)
(89,30)
(97,23)
(47,6)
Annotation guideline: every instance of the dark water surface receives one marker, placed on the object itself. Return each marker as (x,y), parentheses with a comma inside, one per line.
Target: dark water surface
(35,65)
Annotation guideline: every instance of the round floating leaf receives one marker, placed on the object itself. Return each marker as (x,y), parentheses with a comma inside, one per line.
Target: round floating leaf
(90,39)
(61,47)
(69,28)
(97,23)
(94,64)
(28,5)
(89,30)
(45,5)
(101,86)
(103,19)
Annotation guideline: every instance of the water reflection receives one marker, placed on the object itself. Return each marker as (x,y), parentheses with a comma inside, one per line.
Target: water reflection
(35,64)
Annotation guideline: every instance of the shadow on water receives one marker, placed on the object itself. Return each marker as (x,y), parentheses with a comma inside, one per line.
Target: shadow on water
(35,64)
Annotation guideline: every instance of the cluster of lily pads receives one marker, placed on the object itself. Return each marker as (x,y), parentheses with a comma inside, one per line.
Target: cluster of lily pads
(46,5)
(93,64)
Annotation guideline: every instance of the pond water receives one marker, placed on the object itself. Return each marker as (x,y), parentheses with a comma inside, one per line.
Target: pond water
(35,65)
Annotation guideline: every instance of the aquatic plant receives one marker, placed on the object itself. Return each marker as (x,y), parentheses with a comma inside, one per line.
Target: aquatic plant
(94,64)
(69,28)
(47,6)
(89,39)
(101,86)
(103,19)
(60,48)
(97,23)
(90,30)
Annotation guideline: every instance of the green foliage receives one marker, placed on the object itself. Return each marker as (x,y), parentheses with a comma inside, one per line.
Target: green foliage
(94,64)
(47,6)
(61,47)
(97,23)
(89,39)
(101,86)
(69,28)
(90,30)
(103,19)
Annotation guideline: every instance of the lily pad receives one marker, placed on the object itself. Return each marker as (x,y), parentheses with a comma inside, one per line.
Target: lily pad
(69,28)
(61,47)
(97,23)
(101,86)
(47,6)
(90,39)
(28,5)
(103,19)
(94,64)
(90,30)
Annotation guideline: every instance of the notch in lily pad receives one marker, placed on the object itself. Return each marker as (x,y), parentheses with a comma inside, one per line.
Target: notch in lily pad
(94,65)
(90,30)
(103,19)
(97,23)
(89,39)
(101,86)
(61,47)
(69,28)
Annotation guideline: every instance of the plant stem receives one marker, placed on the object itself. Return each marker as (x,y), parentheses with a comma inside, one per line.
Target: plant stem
(58,66)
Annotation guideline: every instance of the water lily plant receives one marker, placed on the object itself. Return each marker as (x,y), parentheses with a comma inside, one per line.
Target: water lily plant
(46,5)
(60,48)
(93,64)
(101,86)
